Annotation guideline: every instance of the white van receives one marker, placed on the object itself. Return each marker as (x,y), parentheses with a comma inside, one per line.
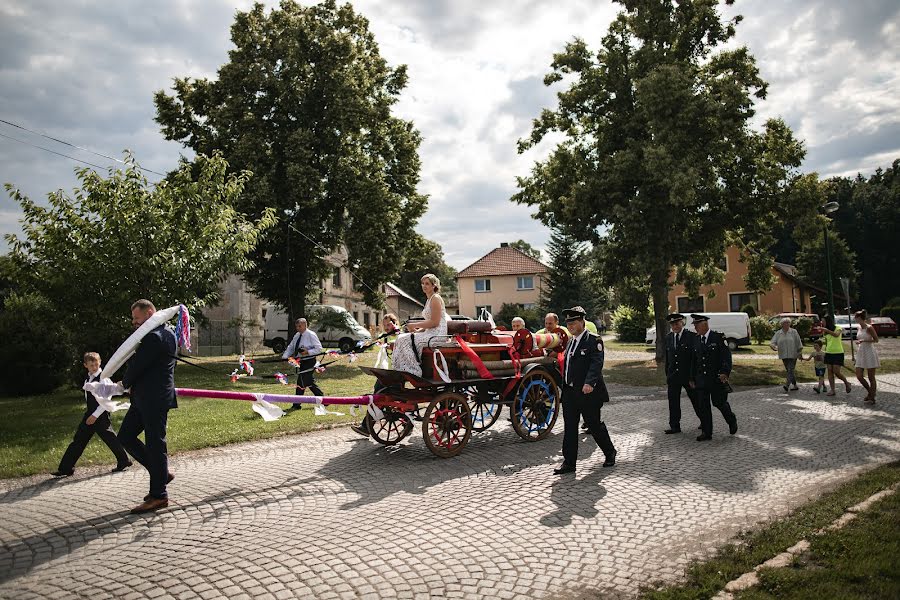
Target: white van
(277,336)
(735,326)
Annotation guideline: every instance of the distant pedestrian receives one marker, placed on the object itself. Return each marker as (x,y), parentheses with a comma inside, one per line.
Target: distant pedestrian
(305,347)
(818,355)
(679,356)
(866,355)
(834,356)
(790,347)
(94,420)
(711,367)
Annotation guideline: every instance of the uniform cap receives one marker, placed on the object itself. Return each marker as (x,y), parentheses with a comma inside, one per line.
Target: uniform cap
(675,317)
(575,313)
(697,318)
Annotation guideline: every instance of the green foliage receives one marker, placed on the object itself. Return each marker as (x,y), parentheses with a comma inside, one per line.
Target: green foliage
(119,239)
(803,326)
(631,324)
(305,102)
(424,256)
(748,308)
(331,319)
(659,152)
(36,352)
(533,317)
(761,329)
(811,264)
(892,312)
(526,248)
(567,281)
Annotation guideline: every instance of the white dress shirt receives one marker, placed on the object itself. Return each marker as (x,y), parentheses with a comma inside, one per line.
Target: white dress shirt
(93,377)
(308,340)
(573,345)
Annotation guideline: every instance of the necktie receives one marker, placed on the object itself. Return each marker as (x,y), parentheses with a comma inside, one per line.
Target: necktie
(677,338)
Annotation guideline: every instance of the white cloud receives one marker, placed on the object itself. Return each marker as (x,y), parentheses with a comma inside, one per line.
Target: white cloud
(86,73)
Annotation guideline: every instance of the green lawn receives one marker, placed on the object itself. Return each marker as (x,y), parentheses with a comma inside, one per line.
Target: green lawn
(742,351)
(860,561)
(35,430)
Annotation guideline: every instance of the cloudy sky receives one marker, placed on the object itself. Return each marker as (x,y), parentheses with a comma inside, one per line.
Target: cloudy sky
(85,72)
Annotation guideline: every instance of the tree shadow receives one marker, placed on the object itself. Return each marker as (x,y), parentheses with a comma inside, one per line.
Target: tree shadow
(29,492)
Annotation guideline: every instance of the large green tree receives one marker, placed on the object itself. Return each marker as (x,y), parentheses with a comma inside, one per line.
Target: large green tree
(119,238)
(566,283)
(305,102)
(658,156)
(526,248)
(424,256)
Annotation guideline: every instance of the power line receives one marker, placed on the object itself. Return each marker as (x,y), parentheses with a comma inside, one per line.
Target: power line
(44,135)
(51,151)
(324,249)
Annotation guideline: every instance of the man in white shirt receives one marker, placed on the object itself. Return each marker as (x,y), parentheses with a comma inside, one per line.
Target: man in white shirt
(305,347)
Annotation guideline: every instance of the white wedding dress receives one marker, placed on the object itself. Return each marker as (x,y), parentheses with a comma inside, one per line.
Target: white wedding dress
(404,356)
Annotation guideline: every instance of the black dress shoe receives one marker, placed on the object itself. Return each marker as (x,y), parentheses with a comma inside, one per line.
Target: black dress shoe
(732,427)
(704,438)
(564,469)
(360,429)
(120,468)
(673,431)
(610,460)
(62,473)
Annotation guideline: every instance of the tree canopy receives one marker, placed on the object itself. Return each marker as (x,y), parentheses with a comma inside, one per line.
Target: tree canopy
(424,256)
(658,158)
(305,102)
(566,283)
(526,248)
(119,238)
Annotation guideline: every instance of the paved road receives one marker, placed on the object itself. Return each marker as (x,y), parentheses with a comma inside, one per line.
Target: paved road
(330,515)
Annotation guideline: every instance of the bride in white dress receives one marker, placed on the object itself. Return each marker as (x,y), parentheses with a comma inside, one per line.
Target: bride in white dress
(435,324)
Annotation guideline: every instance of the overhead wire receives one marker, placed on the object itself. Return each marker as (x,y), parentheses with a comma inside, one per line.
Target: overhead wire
(9,137)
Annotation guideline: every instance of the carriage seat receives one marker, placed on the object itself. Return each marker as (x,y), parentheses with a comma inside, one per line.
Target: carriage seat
(464,327)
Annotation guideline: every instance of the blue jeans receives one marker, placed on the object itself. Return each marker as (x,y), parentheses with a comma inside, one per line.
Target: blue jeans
(789,365)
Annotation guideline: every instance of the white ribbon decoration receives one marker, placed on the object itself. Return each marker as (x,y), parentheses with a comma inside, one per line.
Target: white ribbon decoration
(445,372)
(382,361)
(320,411)
(267,410)
(373,410)
(104,391)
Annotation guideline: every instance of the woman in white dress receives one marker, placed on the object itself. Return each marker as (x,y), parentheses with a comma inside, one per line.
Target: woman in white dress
(435,324)
(866,355)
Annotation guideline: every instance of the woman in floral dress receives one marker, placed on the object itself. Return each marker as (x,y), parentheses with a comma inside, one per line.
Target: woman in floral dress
(434,324)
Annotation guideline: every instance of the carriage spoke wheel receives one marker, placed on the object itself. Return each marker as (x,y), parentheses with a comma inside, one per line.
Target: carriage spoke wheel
(536,405)
(485,407)
(447,424)
(391,428)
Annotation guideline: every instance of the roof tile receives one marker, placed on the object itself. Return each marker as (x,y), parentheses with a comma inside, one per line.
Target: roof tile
(505,260)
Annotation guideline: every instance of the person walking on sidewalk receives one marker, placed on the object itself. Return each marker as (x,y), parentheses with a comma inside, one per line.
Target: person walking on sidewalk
(790,348)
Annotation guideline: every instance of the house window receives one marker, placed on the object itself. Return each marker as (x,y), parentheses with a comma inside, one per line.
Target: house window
(478,310)
(336,277)
(738,301)
(525,283)
(482,285)
(366,320)
(528,306)
(723,263)
(356,316)
(689,305)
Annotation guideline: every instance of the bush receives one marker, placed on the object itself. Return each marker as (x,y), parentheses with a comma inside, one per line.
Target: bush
(892,311)
(36,352)
(761,329)
(803,326)
(631,325)
(748,308)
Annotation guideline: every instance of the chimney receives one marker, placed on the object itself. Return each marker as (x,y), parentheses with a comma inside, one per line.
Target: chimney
(504,245)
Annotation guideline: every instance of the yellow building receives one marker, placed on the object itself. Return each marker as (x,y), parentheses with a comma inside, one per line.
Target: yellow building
(504,275)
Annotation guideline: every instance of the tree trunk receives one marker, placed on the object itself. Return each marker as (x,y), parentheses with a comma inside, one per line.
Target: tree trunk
(659,291)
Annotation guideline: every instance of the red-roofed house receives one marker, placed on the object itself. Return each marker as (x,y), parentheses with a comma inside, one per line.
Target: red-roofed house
(504,275)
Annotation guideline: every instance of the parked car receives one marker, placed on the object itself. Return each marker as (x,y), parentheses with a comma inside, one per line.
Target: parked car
(277,337)
(848,325)
(884,326)
(818,324)
(735,326)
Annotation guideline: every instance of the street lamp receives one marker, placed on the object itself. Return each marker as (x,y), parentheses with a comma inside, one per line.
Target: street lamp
(828,209)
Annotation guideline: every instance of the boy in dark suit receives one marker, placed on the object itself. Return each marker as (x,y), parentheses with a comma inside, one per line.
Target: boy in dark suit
(94,420)
(679,359)
(711,369)
(584,391)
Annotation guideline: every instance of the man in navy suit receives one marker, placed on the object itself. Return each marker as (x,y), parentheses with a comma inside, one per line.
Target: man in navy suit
(679,357)
(710,372)
(584,391)
(151,378)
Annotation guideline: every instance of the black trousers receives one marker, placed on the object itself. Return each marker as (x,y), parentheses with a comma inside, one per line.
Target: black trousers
(153,455)
(307,379)
(674,391)
(575,406)
(718,397)
(103,428)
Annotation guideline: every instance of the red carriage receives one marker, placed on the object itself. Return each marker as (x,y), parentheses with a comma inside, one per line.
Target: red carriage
(467,378)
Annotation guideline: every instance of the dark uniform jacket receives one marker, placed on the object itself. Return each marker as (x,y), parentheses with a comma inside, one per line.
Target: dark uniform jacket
(710,360)
(151,371)
(679,361)
(587,366)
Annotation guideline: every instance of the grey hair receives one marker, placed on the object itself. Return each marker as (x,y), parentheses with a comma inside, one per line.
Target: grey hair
(518,320)
(786,320)
(301,320)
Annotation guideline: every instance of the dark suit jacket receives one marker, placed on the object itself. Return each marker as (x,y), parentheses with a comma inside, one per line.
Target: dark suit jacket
(711,360)
(587,366)
(679,362)
(151,371)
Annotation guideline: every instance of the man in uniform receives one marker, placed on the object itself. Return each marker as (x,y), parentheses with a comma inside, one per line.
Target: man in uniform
(584,391)
(710,370)
(679,354)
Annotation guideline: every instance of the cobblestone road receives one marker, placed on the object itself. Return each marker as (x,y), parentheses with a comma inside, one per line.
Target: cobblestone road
(330,515)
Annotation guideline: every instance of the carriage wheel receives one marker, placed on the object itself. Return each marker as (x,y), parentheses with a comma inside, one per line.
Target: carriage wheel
(485,407)
(391,428)
(535,405)
(447,424)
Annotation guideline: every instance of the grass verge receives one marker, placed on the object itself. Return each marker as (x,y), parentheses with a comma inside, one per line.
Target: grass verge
(869,548)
